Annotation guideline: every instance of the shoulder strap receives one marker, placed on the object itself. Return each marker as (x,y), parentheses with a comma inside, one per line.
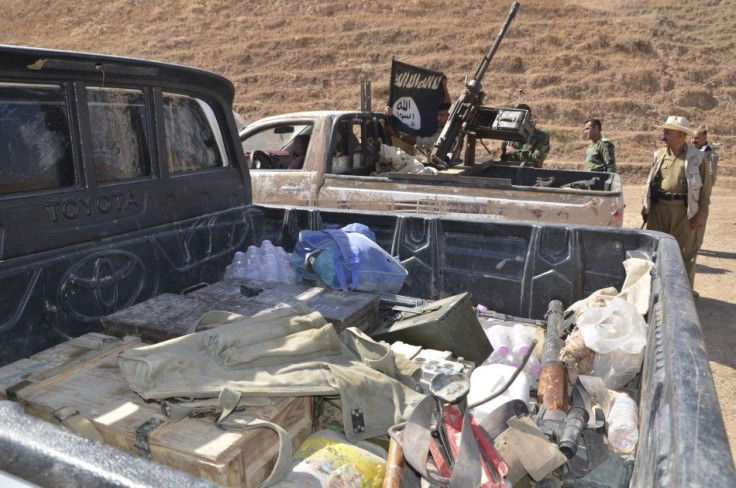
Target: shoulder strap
(350,257)
(417,436)
(228,401)
(69,417)
(213,318)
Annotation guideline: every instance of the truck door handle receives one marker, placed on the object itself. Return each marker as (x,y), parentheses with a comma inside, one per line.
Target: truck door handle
(291,187)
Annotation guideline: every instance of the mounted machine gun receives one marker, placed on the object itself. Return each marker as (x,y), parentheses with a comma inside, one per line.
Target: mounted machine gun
(469,118)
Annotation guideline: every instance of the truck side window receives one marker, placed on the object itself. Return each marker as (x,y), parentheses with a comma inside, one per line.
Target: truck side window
(347,155)
(282,145)
(193,139)
(35,143)
(120,135)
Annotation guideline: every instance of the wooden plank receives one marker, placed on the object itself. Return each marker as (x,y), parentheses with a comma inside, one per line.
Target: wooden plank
(12,374)
(55,360)
(41,379)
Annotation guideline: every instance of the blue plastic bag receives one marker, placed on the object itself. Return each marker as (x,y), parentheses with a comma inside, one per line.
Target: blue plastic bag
(347,259)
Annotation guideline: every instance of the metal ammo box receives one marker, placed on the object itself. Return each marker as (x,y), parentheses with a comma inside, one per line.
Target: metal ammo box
(509,124)
(446,325)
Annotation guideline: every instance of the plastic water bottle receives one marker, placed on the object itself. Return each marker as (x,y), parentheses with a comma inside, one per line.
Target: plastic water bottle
(252,266)
(532,366)
(487,379)
(269,265)
(623,423)
(498,358)
(498,335)
(280,268)
(521,341)
(286,271)
(236,269)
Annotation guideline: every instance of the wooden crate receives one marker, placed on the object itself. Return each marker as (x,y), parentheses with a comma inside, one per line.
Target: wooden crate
(168,315)
(97,390)
(339,308)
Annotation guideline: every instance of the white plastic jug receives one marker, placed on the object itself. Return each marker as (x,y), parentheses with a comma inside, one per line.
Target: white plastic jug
(488,379)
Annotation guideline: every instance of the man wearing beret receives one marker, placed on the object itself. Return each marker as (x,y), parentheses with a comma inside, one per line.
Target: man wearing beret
(678,191)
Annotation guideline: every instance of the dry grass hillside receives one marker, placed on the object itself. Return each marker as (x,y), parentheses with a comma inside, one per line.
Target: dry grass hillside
(628,62)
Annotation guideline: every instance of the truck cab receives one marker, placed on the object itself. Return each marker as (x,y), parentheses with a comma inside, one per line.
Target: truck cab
(94,148)
(348,141)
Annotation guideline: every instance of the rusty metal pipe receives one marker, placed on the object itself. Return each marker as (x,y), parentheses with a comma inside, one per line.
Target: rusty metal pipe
(394,476)
(553,384)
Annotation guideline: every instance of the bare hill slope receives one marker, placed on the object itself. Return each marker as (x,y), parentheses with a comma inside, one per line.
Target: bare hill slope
(628,62)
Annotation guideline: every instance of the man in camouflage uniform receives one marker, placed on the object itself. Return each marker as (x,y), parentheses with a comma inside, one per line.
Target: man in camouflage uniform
(678,191)
(600,155)
(700,140)
(533,151)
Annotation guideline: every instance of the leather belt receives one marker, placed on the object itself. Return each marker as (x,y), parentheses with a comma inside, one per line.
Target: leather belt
(665,195)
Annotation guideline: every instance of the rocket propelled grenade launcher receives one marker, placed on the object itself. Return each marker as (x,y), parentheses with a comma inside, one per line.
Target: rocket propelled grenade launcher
(552,389)
(469,118)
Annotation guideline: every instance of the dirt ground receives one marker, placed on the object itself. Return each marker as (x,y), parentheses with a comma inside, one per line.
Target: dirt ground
(627,62)
(715,281)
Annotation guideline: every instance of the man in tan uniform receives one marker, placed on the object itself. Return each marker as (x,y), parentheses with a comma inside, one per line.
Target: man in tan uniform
(700,140)
(678,191)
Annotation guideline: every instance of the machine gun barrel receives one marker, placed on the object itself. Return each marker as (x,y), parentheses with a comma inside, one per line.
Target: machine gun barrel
(465,108)
(481,71)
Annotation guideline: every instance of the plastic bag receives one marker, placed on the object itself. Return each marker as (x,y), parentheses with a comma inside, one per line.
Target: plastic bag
(618,334)
(347,259)
(327,458)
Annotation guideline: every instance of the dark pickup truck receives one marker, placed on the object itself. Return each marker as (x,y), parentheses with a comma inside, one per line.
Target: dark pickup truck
(125,179)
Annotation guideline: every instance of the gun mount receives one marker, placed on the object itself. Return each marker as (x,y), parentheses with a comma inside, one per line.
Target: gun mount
(469,119)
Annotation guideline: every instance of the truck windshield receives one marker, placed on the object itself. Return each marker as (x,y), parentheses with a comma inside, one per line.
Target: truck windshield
(274,139)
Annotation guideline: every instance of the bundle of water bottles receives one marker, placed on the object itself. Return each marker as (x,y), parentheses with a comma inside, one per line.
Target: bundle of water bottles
(510,342)
(265,263)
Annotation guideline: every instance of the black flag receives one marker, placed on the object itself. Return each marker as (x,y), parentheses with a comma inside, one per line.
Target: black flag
(414,97)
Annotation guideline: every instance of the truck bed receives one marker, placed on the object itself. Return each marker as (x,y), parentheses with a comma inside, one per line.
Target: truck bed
(513,268)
